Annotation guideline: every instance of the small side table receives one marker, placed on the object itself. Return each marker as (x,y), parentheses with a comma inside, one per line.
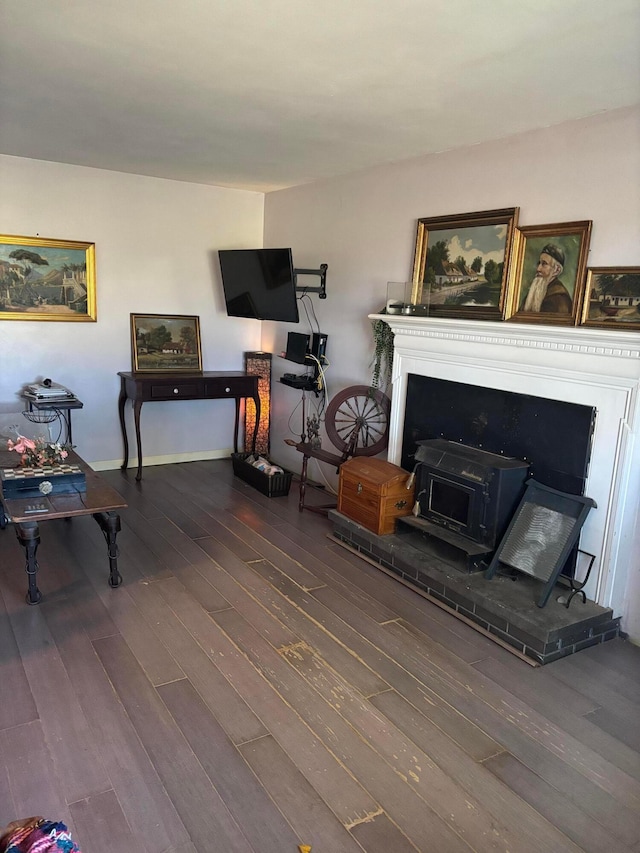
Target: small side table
(61,407)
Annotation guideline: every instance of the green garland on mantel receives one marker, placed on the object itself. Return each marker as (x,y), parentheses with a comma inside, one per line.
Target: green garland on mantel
(382,361)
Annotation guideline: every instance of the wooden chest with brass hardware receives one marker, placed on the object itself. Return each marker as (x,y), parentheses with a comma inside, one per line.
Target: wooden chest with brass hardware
(374,493)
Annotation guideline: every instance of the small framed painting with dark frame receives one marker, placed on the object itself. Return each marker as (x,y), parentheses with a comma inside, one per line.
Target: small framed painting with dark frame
(612,298)
(165,343)
(549,269)
(461,264)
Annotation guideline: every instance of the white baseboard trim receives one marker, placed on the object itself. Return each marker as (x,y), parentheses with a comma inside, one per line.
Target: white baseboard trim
(196,456)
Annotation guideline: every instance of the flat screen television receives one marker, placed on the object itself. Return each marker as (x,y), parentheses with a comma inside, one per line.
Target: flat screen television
(259,283)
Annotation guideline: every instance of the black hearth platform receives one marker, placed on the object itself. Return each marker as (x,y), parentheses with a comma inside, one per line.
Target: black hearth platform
(503,607)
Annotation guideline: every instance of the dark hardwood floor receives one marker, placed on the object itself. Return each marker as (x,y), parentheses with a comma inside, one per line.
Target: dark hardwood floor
(252,687)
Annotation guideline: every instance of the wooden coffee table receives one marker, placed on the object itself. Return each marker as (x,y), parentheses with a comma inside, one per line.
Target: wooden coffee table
(100,500)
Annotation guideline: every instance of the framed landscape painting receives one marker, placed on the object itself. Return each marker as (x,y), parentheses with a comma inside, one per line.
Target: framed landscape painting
(165,343)
(612,298)
(43,279)
(549,270)
(461,264)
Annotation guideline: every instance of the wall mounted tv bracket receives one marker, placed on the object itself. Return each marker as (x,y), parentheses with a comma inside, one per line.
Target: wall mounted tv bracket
(322,287)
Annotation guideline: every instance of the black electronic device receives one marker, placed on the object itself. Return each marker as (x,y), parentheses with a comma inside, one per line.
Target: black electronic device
(302,383)
(318,346)
(297,347)
(259,283)
(303,350)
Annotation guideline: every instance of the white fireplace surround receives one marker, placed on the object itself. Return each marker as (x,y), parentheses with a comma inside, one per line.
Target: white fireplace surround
(592,367)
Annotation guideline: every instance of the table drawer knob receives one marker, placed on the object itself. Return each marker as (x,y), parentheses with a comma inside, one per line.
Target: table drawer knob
(227,390)
(176,390)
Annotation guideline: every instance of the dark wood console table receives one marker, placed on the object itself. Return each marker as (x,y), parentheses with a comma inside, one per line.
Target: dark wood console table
(161,387)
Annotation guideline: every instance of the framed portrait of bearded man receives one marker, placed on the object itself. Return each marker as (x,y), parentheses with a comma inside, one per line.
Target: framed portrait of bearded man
(549,272)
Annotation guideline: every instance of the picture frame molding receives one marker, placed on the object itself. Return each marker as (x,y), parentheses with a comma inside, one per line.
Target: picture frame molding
(613,325)
(427,225)
(548,232)
(35,243)
(136,367)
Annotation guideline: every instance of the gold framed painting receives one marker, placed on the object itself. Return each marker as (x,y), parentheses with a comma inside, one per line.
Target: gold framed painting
(612,298)
(45,279)
(461,264)
(165,343)
(549,268)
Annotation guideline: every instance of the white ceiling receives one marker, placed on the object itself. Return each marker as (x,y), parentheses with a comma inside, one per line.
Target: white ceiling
(263,94)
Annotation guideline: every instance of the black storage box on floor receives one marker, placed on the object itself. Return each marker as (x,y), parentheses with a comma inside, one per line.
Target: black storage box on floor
(271,485)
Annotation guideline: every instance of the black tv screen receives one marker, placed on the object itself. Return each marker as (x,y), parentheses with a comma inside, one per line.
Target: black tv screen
(259,283)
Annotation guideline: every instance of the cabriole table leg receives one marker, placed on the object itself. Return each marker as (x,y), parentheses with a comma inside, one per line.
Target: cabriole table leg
(29,537)
(109,523)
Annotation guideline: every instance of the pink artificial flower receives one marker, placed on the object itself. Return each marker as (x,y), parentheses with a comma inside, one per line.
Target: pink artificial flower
(21,445)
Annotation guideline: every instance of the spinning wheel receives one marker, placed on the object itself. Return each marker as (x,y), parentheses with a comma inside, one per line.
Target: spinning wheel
(357,421)
(357,424)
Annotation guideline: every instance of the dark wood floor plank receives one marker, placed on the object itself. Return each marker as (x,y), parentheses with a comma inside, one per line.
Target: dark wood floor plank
(459,808)
(461,730)
(346,798)
(311,819)
(154,658)
(536,749)
(201,518)
(67,734)
(575,822)
(510,710)
(564,706)
(76,551)
(26,756)
(188,574)
(13,680)
(230,709)
(620,655)
(359,675)
(416,610)
(624,728)
(617,691)
(174,505)
(422,825)
(496,711)
(200,807)
(101,827)
(271,549)
(537,687)
(165,553)
(610,792)
(144,800)
(394,597)
(222,574)
(497,798)
(263,824)
(8,810)
(380,835)
(330,566)
(134,493)
(133,553)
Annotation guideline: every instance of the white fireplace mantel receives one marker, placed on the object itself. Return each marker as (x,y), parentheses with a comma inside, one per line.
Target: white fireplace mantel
(592,367)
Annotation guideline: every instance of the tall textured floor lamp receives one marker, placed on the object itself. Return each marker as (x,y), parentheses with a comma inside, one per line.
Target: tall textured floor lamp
(258,364)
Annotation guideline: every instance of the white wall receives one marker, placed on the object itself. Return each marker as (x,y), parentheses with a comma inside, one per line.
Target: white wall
(363,226)
(155,253)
